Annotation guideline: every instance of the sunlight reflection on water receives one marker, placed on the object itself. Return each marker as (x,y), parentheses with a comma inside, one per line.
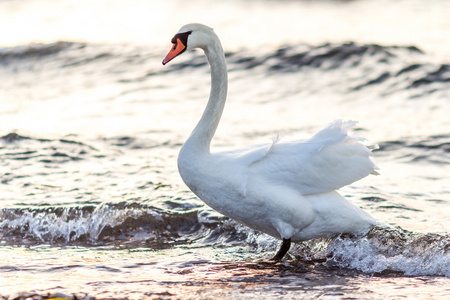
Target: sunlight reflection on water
(239,23)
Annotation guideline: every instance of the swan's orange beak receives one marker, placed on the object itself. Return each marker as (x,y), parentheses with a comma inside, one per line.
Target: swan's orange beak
(176,50)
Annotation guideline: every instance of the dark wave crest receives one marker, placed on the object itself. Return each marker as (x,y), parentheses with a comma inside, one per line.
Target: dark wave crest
(433,149)
(395,68)
(37,50)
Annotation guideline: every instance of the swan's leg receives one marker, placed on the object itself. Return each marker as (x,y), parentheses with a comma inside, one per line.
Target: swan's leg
(285,245)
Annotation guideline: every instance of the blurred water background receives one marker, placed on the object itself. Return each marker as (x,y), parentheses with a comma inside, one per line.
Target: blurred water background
(91,203)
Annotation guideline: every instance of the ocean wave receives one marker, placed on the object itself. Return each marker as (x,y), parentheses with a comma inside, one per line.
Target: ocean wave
(433,149)
(382,251)
(53,225)
(395,68)
(293,58)
(35,50)
(125,224)
(18,147)
(392,250)
(331,56)
(440,74)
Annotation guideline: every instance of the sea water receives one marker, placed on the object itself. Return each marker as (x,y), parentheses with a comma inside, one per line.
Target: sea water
(91,124)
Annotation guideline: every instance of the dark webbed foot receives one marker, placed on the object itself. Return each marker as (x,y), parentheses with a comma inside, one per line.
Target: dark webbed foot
(285,245)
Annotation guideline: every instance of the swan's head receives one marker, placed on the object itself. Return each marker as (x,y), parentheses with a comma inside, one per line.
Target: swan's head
(190,36)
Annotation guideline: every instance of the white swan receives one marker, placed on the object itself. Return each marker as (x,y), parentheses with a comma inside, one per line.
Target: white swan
(285,189)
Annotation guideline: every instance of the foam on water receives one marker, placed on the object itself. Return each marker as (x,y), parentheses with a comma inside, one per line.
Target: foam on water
(53,225)
(383,250)
(123,224)
(389,250)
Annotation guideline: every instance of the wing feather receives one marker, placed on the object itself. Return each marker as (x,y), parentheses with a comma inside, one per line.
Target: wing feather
(327,161)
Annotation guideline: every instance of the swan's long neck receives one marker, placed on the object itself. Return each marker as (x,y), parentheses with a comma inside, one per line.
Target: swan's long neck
(200,139)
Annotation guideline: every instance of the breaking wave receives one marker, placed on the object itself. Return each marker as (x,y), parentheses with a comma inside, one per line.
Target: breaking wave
(383,250)
(392,250)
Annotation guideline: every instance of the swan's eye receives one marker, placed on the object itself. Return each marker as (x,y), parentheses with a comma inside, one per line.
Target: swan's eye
(183,37)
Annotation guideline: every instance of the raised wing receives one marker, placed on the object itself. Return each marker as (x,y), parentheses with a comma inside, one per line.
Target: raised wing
(328,161)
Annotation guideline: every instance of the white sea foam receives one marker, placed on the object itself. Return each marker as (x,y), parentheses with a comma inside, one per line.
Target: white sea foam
(367,256)
(49,227)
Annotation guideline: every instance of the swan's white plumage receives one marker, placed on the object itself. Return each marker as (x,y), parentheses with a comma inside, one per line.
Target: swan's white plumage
(327,161)
(283,188)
